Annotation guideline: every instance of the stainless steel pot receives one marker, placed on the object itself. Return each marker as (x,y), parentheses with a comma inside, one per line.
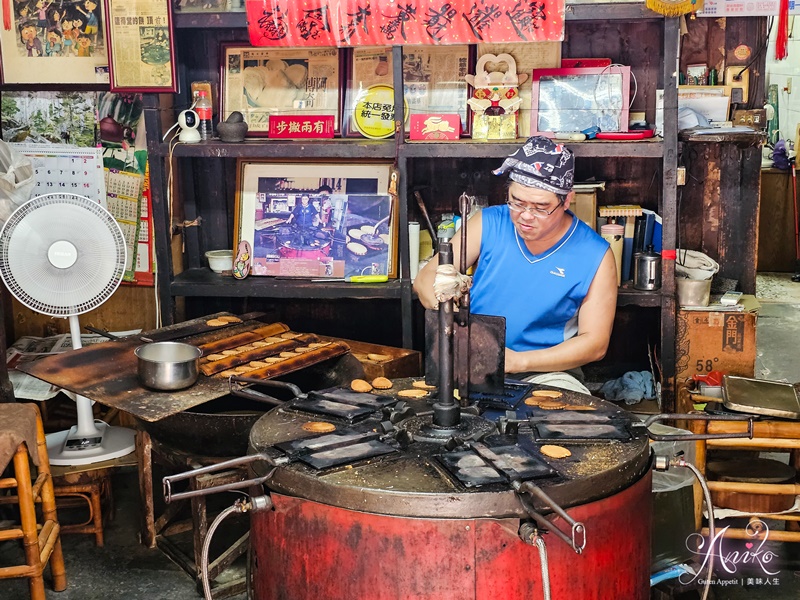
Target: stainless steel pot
(167,365)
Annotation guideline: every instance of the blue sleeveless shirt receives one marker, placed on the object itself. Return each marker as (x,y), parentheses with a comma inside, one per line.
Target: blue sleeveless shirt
(539,295)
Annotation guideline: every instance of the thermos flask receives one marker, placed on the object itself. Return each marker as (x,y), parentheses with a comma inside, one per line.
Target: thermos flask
(647,270)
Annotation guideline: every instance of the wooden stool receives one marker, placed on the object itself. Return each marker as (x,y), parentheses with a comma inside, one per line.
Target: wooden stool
(21,431)
(92,486)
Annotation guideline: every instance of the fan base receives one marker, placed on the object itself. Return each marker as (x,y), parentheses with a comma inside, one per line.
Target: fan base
(67,448)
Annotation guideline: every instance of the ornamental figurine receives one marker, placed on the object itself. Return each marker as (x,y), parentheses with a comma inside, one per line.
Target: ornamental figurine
(495,99)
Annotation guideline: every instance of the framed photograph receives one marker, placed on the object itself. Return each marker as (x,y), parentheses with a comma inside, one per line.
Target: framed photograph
(316,219)
(141,46)
(697,75)
(47,42)
(571,100)
(70,118)
(259,82)
(433,82)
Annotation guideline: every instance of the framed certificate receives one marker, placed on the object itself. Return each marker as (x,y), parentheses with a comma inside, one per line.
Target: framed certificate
(141,46)
(259,82)
(433,82)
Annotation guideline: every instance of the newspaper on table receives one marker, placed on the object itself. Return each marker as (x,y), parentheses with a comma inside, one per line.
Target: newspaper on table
(30,348)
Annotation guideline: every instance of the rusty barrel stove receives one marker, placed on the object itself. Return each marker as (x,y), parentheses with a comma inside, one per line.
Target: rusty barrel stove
(386,507)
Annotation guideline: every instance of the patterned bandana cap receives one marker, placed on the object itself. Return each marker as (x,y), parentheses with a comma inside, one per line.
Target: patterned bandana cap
(542,164)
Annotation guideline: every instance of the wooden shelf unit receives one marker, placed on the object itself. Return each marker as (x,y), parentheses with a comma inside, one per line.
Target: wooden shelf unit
(206,177)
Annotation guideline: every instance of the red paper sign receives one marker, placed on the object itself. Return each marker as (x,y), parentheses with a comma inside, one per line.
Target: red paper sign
(303,127)
(300,23)
(435,127)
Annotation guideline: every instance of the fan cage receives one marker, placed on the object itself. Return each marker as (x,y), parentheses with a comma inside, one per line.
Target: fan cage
(51,202)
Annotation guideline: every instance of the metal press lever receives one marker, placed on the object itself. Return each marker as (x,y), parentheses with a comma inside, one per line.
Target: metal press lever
(577,536)
(681,437)
(234,462)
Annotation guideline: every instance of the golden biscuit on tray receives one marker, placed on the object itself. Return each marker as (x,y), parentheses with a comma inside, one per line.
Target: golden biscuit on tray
(319,427)
(423,386)
(229,319)
(359,385)
(546,394)
(381,383)
(555,451)
(414,393)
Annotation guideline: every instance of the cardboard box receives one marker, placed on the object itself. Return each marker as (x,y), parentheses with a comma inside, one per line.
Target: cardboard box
(584,206)
(711,339)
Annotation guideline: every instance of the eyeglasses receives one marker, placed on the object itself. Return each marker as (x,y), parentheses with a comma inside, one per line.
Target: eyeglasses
(532,210)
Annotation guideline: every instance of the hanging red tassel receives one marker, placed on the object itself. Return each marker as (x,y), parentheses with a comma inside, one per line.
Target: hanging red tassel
(782,39)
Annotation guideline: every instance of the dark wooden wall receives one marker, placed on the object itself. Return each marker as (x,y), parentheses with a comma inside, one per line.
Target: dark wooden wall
(712,42)
(718,208)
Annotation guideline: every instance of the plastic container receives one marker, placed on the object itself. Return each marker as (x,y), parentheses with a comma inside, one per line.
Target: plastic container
(613,234)
(693,292)
(204,111)
(220,260)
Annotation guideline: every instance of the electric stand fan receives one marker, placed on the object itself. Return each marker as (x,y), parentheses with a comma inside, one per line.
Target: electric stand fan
(63,255)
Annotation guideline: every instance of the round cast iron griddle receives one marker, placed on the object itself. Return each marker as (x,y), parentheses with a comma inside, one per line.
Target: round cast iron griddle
(412,482)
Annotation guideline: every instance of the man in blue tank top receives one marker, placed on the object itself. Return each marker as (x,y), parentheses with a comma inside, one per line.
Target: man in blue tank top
(536,264)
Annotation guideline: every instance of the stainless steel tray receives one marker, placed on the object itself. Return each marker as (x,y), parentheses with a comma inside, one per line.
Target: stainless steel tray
(761,397)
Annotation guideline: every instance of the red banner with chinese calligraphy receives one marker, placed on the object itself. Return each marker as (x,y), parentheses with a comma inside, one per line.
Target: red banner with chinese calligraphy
(297,23)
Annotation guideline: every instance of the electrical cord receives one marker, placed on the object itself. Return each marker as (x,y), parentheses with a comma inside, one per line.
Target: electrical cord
(762,48)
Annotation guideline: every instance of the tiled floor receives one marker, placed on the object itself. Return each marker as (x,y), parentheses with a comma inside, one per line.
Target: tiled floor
(126,569)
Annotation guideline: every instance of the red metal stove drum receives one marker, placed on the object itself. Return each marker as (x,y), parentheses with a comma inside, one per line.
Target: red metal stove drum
(385,507)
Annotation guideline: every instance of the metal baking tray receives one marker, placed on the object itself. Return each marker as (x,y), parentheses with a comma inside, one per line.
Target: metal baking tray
(761,397)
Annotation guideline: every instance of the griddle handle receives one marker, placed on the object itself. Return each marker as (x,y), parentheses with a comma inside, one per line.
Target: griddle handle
(689,437)
(226,464)
(577,537)
(245,392)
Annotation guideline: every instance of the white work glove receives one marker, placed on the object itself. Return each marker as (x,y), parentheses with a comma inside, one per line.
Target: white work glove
(449,284)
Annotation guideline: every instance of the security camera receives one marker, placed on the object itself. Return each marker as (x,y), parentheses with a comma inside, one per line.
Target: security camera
(188,122)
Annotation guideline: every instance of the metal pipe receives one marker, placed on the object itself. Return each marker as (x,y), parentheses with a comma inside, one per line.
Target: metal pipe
(254,504)
(446,412)
(464,203)
(680,462)
(207,544)
(531,536)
